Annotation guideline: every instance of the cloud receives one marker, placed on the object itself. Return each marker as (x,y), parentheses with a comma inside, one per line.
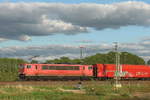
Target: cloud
(3,39)
(24,37)
(49,51)
(145,41)
(46,52)
(84,41)
(21,21)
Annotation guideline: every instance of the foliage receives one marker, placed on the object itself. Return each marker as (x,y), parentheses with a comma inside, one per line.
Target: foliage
(128,58)
(148,62)
(109,58)
(64,60)
(9,68)
(34,62)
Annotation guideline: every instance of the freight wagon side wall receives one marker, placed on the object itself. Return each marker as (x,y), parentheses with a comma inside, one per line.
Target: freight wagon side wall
(105,70)
(128,71)
(110,70)
(136,71)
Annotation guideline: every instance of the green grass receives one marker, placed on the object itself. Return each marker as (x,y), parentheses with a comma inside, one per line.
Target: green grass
(92,90)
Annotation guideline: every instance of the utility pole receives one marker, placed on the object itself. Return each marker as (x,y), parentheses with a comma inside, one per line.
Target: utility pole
(81,52)
(118,68)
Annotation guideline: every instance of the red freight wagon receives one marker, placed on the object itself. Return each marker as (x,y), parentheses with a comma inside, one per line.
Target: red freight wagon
(127,71)
(54,70)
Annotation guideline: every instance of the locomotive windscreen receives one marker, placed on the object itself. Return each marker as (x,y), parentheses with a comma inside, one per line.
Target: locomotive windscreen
(21,66)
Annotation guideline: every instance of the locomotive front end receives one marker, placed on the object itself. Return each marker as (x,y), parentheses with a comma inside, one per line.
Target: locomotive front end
(21,71)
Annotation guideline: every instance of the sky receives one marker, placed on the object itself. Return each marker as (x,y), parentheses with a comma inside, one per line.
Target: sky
(56,28)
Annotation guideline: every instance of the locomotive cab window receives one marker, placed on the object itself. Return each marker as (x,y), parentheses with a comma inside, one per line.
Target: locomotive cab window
(28,66)
(89,67)
(21,66)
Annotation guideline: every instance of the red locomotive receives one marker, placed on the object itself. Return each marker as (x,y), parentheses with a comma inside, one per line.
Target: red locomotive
(54,71)
(100,71)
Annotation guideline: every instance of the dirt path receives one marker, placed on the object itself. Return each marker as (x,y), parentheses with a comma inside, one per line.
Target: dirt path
(68,82)
(142,95)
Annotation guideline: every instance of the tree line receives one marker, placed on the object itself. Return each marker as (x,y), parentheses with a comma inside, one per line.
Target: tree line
(108,58)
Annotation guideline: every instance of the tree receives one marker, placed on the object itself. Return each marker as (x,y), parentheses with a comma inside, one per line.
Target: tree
(148,62)
(76,61)
(128,58)
(34,62)
(65,60)
(62,60)
(9,68)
